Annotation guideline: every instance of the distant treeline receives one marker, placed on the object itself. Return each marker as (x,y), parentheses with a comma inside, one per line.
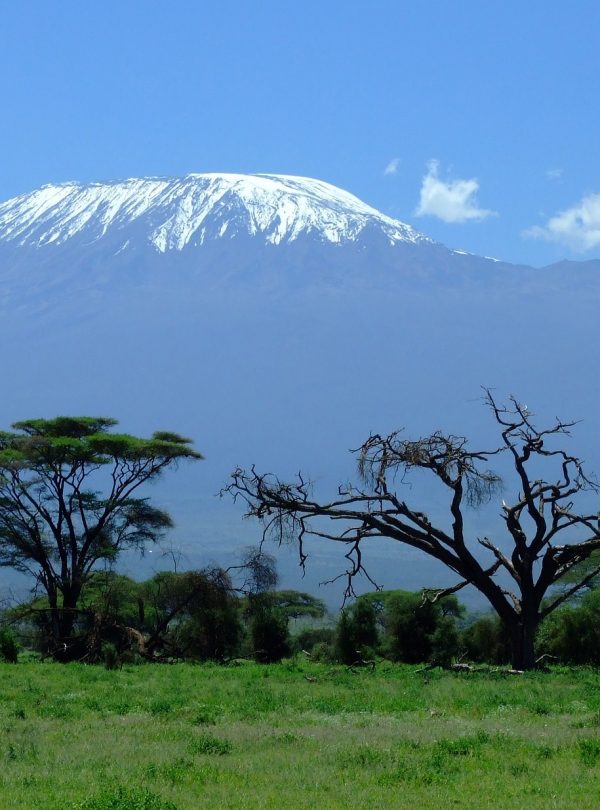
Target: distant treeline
(199,616)
(406,627)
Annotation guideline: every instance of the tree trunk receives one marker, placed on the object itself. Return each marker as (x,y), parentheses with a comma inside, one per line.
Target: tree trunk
(60,628)
(522,636)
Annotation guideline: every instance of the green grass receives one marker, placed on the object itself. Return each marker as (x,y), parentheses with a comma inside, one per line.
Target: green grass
(178,737)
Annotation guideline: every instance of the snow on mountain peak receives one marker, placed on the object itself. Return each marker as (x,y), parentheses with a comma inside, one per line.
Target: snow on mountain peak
(176,212)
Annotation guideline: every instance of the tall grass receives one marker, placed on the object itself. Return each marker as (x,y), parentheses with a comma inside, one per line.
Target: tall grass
(295,735)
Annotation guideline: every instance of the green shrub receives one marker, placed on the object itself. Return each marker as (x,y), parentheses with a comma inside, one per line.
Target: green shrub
(268,630)
(345,648)
(309,637)
(572,633)
(126,799)
(589,751)
(205,715)
(486,640)
(9,649)
(110,656)
(323,653)
(207,744)
(411,627)
(356,632)
(445,642)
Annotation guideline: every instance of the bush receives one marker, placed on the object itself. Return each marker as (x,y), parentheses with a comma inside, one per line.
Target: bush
(309,636)
(323,652)
(213,746)
(126,799)
(344,648)
(316,641)
(9,649)
(356,632)
(572,634)
(110,656)
(486,640)
(417,630)
(445,642)
(269,635)
(400,625)
(197,612)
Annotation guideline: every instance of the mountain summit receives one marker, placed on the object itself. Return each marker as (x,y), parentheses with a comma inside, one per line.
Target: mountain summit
(174,213)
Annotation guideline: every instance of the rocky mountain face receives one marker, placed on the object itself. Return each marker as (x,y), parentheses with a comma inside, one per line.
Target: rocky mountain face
(278,321)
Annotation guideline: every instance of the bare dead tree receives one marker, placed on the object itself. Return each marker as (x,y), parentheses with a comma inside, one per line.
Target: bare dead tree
(546,535)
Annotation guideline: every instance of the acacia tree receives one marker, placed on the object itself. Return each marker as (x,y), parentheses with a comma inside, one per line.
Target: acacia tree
(68,502)
(545,536)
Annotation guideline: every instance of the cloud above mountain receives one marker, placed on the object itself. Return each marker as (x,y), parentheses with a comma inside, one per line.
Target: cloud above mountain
(577,228)
(392,166)
(453,201)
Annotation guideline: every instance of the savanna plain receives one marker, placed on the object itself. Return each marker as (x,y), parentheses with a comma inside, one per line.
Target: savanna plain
(296,735)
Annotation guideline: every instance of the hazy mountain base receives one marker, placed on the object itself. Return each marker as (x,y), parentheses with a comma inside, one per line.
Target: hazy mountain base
(291,357)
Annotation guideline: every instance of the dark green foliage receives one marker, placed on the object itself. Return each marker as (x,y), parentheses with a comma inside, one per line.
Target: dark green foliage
(415,629)
(309,637)
(572,634)
(9,649)
(323,652)
(268,615)
(402,626)
(356,634)
(126,799)
(297,605)
(364,625)
(209,745)
(445,642)
(114,597)
(269,635)
(345,648)
(193,614)
(486,640)
(409,625)
(110,656)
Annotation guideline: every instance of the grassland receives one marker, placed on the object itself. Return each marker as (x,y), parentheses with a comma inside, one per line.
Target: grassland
(295,735)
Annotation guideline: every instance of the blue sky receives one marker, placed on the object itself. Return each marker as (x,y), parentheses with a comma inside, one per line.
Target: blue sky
(485,115)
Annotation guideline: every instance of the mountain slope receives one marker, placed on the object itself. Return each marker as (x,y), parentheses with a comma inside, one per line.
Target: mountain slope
(227,231)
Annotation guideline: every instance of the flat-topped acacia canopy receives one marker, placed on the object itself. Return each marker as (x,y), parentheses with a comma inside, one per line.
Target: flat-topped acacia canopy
(54,525)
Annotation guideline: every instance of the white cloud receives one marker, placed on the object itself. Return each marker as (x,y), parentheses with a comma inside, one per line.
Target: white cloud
(578,227)
(554,174)
(454,201)
(392,167)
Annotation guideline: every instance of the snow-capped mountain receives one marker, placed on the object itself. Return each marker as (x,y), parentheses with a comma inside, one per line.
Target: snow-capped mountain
(177,213)
(262,230)
(278,321)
